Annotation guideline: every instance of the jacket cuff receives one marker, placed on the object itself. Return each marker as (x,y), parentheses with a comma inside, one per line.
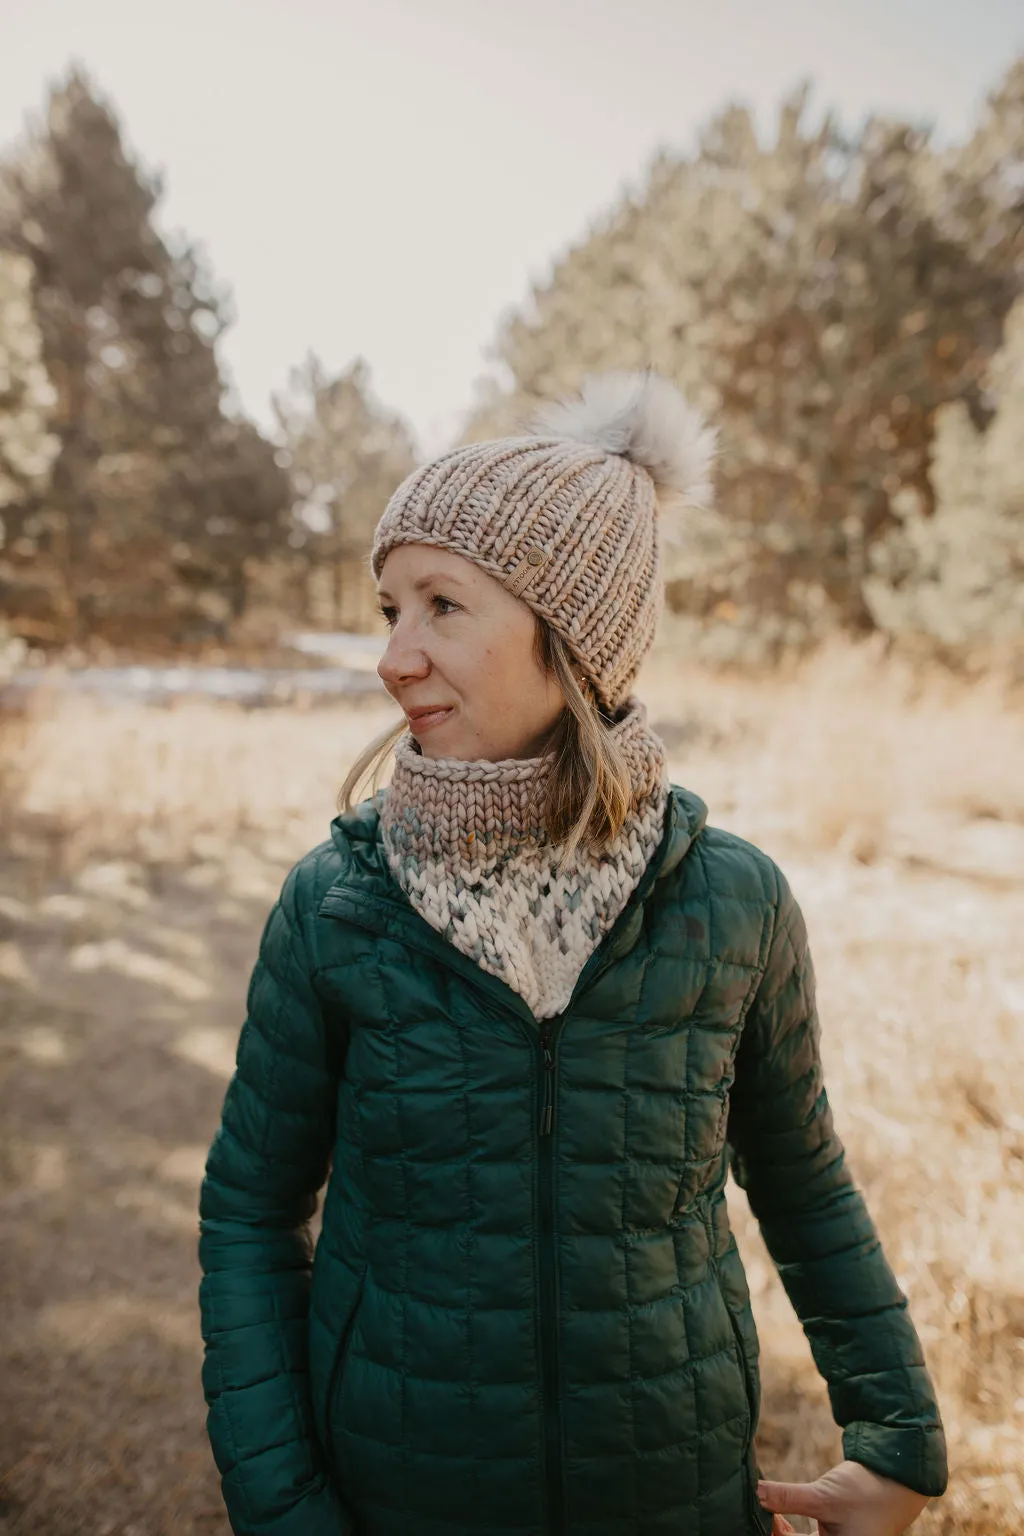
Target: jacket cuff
(914,1455)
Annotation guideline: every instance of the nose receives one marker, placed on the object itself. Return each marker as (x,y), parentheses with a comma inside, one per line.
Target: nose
(401,662)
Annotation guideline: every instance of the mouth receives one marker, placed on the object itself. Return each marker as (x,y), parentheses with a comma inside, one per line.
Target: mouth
(425,718)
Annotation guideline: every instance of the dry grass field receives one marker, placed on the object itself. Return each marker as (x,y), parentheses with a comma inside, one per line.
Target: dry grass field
(141,851)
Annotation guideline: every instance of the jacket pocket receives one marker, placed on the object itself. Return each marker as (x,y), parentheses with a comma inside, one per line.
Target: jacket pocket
(762,1520)
(341,1355)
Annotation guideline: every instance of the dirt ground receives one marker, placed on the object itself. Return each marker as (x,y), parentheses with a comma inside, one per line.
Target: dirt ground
(119,1021)
(129,919)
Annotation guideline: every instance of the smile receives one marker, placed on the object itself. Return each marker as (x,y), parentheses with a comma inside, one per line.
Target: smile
(424,720)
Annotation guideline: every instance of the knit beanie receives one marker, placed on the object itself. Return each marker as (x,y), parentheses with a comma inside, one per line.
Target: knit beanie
(570,516)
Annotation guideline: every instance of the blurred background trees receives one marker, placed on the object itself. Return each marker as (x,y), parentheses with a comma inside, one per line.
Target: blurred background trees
(952,579)
(825,298)
(344,454)
(27,446)
(138,506)
(838,302)
(156,495)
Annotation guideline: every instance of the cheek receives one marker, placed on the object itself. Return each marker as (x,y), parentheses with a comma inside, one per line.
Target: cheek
(492,659)
(517,680)
(500,663)
(498,670)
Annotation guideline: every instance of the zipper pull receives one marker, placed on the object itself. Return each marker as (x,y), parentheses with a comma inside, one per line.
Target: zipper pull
(547,1112)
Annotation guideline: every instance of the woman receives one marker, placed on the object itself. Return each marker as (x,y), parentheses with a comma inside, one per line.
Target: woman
(529,1009)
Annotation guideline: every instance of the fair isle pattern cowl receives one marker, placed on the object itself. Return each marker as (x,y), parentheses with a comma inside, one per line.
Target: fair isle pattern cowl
(464,841)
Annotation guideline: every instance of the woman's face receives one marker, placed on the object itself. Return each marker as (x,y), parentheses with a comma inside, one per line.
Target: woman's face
(460,658)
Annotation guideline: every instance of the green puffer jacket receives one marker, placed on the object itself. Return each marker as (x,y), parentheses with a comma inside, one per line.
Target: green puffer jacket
(527,1312)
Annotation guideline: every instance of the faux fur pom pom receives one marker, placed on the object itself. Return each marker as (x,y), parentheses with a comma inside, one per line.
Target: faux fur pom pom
(644,418)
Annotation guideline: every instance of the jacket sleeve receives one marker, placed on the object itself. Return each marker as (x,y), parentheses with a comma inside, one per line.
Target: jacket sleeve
(786,1155)
(267,1162)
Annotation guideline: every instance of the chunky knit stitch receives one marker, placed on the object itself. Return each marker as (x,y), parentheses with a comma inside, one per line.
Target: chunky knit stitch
(465,842)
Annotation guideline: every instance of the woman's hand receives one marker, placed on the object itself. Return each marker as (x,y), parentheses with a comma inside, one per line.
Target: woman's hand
(848,1500)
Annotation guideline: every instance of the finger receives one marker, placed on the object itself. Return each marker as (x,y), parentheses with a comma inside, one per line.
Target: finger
(794,1499)
(782,1527)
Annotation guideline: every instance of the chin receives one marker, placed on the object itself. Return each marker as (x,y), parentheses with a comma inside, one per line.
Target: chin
(443,741)
(435,748)
(453,740)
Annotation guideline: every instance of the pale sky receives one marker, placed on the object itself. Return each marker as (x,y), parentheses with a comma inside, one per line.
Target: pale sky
(384,179)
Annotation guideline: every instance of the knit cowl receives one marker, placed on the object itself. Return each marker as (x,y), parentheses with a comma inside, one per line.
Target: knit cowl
(466,842)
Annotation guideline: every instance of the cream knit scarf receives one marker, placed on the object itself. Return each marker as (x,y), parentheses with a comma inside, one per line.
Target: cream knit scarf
(462,841)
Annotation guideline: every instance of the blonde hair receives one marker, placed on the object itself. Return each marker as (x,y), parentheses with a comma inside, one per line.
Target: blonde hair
(590,791)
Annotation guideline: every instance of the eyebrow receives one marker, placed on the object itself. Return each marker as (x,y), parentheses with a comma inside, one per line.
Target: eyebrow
(434,578)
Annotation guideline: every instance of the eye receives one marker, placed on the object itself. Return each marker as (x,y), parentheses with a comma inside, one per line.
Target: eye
(390,615)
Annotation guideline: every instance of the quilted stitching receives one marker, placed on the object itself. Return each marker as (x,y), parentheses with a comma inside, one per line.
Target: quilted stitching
(369,1050)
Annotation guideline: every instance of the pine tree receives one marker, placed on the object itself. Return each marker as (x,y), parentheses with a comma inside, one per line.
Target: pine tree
(819,299)
(954,580)
(27,446)
(157,496)
(345,455)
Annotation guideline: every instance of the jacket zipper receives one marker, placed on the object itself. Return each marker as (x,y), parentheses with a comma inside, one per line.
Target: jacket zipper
(543,1032)
(548,1279)
(547,1108)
